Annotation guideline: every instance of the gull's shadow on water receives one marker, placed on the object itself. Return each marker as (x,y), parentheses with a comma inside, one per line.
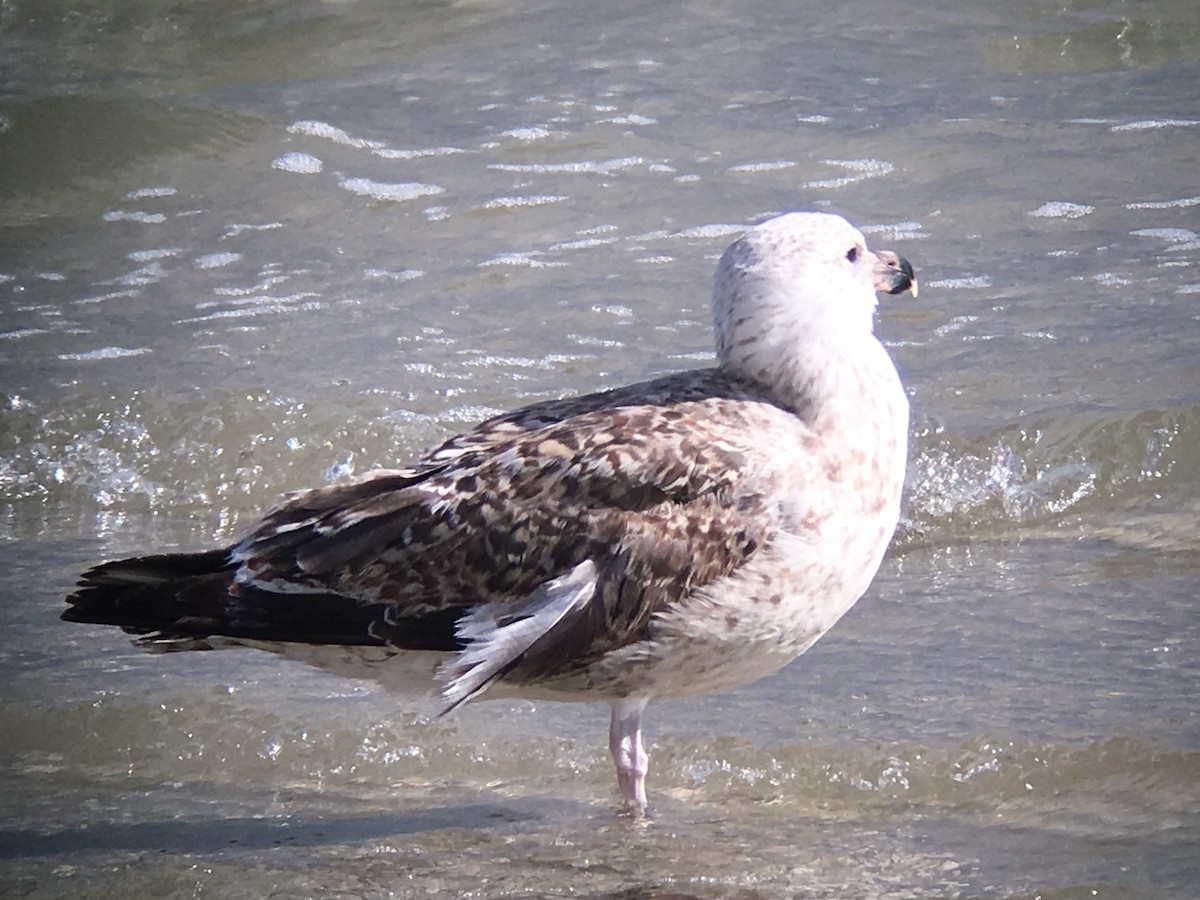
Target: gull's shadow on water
(251,833)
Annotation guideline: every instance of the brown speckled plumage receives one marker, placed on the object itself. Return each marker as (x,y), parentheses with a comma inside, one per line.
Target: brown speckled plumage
(686,534)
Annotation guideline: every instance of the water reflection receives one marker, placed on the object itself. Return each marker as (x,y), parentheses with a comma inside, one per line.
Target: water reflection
(1085,36)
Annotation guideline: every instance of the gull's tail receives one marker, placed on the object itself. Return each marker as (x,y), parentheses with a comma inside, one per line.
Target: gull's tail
(174,596)
(179,601)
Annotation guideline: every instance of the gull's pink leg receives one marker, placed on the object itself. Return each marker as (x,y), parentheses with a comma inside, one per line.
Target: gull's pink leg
(625,743)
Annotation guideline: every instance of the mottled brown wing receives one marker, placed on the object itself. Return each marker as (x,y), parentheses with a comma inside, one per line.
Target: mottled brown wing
(668,390)
(654,495)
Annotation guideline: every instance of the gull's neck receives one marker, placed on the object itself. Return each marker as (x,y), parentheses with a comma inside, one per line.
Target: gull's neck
(823,376)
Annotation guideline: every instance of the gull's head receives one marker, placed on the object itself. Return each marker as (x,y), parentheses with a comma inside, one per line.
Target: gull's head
(800,277)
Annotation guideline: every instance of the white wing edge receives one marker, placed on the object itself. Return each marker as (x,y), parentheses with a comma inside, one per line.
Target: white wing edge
(496,634)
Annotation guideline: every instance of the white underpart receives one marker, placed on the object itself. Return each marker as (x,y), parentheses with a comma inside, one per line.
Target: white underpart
(496,634)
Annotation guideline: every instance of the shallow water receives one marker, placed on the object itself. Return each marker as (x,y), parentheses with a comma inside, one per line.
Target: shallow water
(250,248)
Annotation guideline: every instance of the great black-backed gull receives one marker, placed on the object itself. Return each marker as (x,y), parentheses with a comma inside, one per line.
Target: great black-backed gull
(683,535)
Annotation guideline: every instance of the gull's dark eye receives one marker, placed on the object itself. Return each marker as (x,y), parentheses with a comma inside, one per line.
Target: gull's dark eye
(852,254)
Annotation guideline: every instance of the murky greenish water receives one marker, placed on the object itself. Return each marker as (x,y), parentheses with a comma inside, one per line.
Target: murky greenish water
(247,248)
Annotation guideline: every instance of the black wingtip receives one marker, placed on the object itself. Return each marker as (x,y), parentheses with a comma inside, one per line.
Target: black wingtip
(134,594)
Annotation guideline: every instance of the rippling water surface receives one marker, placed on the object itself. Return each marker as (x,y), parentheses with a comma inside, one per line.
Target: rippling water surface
(248,248)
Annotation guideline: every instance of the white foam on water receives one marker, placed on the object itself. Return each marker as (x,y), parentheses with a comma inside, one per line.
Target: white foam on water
(298,163)
(153,254)
(394,191)
(314,128)
(133,215)
(1062,209)
(1147,124)
(859,169)
(151,192)
(105,353)
(969,282)
(772,166)
(1170,235)
(216,260)
(586,167)
(710,231)
(1164,204)
(396,153)
(530,200)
